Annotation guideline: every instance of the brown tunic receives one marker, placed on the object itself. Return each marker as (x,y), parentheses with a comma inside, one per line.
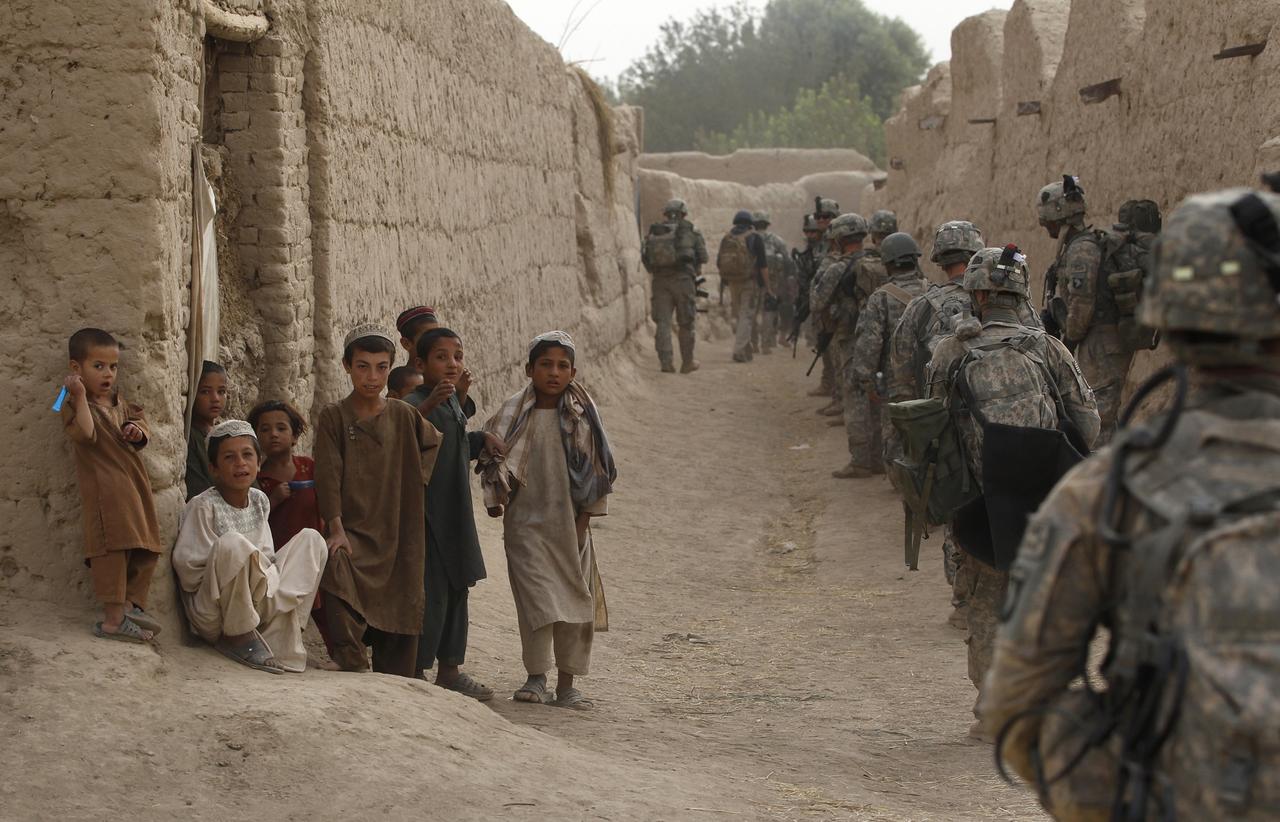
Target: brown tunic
(372,474)
(119,511)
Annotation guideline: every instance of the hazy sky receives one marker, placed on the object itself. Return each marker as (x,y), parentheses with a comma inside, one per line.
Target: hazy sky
(612,33)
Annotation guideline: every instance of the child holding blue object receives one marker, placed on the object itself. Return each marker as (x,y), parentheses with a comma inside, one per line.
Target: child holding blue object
(121,532)
(454,562)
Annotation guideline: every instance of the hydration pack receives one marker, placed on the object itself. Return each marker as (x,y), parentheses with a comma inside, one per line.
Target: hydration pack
(662,248)
(733,260)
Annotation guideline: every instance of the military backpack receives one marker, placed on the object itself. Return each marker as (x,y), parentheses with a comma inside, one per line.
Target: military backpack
(734,259)
(663,248)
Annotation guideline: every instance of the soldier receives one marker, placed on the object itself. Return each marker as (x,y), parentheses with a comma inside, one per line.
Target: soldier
(868,358)
(1168,539)
(995,370)
(742,263)
(674,253)
(806,262)
(782,271)
(881,224)
(840,290)
(825,210)
(1079,301)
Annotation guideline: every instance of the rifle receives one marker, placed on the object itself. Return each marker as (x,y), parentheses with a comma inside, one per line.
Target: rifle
(824,342)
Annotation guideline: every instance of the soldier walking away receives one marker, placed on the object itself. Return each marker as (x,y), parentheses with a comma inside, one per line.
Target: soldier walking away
(1168,539)
(1079,303)
(674,253)
(742,263)
(869,357)
(839,291)
(995,371)
(881,224)
(782,272)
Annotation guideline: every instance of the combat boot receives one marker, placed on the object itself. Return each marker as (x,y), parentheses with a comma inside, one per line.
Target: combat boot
(852,471)
(820,391)
(668,367)
(836,407)
(689,366)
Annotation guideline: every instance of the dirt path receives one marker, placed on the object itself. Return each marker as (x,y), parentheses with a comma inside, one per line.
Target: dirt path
(765,627)
(770,659)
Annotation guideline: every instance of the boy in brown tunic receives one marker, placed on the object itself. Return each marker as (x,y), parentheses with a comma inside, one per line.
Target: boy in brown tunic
(121,532)
(373,459)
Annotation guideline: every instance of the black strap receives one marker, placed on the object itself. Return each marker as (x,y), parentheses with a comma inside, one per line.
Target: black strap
(1258,224)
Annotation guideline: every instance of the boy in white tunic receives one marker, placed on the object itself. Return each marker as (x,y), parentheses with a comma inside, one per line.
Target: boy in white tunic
(556,475)
(250,600)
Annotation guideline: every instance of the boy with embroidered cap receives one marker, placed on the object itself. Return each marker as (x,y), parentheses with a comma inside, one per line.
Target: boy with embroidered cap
(373,457)
(241,593)
(121,532)
(555,476)
(412,324)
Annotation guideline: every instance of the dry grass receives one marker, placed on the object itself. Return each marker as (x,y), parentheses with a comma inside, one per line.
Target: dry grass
(604,125)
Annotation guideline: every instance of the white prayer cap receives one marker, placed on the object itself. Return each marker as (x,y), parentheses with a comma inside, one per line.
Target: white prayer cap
(367,330)
(560,338)
(232,428)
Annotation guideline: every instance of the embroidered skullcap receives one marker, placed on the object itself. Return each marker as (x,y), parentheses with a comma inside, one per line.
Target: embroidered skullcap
(409,315)
(367,330)
(560,338)
(232,428)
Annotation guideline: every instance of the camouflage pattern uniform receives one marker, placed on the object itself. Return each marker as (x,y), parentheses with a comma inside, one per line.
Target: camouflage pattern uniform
(674,291)
(782,272)
(869,353)
(1083,304)
(828,209)
(1210,297)
(983,585)
(840,290)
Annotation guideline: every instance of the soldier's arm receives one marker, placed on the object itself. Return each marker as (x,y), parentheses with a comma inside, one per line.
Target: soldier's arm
(1077,396)
(867,340)
(1078,281)
(823,287)
(700,248)
(1058,587)
(902,354)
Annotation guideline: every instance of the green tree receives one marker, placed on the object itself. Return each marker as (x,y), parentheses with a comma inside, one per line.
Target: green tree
(710,74)
(838,115)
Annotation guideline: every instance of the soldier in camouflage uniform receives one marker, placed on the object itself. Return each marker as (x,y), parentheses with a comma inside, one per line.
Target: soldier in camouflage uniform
(840,290)
(881,224)
(825,211)
(782,273)
(674,287)
(806,261)
(869,360)
(1019,395)
(1081,304)
(1196,490)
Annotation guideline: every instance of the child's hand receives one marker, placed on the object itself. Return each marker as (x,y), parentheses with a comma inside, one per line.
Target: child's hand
(464,382)
(74,386)
(338,542)
(494,445)
(280,493)
(438,396)
(495,511)
(133,433)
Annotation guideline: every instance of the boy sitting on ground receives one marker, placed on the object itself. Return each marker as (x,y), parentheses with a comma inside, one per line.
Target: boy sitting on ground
(557,473)
(121,532)
(249,599)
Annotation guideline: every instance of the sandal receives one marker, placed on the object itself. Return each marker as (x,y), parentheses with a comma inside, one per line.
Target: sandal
(467,686)
(535,690)
(254,654)
(573,699)
(143,619)
(129,631)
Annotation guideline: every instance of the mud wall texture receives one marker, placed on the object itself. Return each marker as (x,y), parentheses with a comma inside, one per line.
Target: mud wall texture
(368,157)
(1181,121)
(758,166)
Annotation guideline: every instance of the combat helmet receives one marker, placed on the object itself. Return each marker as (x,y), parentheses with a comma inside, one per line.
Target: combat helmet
(1062,202)
(1214,291)
(883,222)
(760,218)
(1140,215)
(826,205)
(956,241)
(899,249)
(1002,270)
(810,224)
(676,207)
(743,217)
(847,226)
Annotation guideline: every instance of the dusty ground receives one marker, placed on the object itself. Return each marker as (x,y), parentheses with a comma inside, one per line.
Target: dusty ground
(769,659)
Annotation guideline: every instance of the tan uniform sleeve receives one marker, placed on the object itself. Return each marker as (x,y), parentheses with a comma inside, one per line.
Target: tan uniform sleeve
(1077,396)
(868,341)
(903,352)
(1058,587)
(1078,281)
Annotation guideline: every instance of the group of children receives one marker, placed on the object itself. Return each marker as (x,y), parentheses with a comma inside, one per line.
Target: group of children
(374,539)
